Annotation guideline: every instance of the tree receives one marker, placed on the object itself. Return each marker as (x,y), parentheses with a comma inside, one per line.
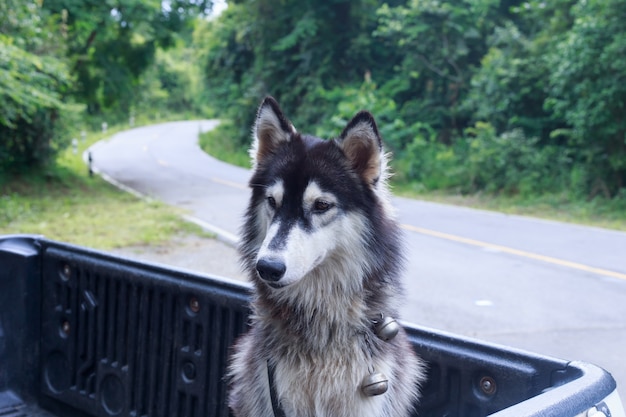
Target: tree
(290,49)
(455,82)
(510,86)
(111,44)
(441,45)
(33,81)
(587,88)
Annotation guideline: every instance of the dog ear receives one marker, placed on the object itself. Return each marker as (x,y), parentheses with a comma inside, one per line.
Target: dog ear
(363,146)
(270,129)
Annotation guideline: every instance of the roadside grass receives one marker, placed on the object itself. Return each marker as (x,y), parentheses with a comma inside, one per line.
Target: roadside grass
(63,202)
(219,144)
(598,212)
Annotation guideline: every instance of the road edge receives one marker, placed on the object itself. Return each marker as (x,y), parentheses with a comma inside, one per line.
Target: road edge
(221,234)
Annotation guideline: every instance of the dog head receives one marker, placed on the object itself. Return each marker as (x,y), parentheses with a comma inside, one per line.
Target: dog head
(311,198)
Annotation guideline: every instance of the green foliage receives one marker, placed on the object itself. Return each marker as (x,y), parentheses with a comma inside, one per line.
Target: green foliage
(33,82)
(64,203)
(59,57)
(507,89)
(219,144)
(224,49)
(513,163)
(344,102)
(499,96)
(290,50)
(170,85)
(439,44)
(112,45)
(509,163)
(28,83)
(429,164)
(588,90)
(502,96)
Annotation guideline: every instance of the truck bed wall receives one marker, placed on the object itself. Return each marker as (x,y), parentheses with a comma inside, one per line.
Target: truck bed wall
(87,334)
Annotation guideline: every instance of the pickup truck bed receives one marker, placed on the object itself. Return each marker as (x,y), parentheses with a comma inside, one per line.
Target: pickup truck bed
(83,333)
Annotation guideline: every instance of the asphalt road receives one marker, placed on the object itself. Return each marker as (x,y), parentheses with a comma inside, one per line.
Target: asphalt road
(552,288)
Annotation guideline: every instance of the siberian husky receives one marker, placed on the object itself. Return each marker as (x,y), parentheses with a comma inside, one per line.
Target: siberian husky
(324,253)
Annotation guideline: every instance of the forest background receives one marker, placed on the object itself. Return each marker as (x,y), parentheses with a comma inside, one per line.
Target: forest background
(503,99)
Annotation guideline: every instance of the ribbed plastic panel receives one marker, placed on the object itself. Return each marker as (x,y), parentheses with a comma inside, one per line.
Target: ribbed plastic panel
(134,341)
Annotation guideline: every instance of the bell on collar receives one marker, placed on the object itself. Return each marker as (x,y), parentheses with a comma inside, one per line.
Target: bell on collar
(374,384)
(387,328)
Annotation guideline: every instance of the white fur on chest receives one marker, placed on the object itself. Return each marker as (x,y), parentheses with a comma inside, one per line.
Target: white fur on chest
(329,385)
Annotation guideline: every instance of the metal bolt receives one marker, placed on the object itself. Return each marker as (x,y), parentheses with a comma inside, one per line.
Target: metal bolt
(194,304)
(66,272)
(189,371)
(488,385)
(65,327)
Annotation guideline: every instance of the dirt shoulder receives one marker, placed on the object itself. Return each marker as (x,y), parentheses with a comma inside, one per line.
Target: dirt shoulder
(191,252)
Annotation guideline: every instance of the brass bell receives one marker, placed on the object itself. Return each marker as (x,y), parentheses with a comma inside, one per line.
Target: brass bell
(387,328)
(374,384)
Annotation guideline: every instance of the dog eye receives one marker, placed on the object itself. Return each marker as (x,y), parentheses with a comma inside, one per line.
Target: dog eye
(321,206)
(271,201)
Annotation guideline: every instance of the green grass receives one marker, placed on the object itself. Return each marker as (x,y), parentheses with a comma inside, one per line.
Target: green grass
(598,212)
(220,144)
(64,203)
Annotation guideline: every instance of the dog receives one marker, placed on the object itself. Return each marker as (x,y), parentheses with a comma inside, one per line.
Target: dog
(324,254)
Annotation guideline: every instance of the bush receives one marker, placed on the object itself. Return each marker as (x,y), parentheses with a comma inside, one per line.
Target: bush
(428,162)
(513,163)
(32,86)
(31,111)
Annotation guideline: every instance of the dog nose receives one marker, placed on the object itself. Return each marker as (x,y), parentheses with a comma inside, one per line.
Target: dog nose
(270,269)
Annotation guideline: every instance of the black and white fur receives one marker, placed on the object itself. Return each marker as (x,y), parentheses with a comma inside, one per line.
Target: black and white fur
(323,251)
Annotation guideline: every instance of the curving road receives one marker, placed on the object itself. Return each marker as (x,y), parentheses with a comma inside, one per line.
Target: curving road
(549,287)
